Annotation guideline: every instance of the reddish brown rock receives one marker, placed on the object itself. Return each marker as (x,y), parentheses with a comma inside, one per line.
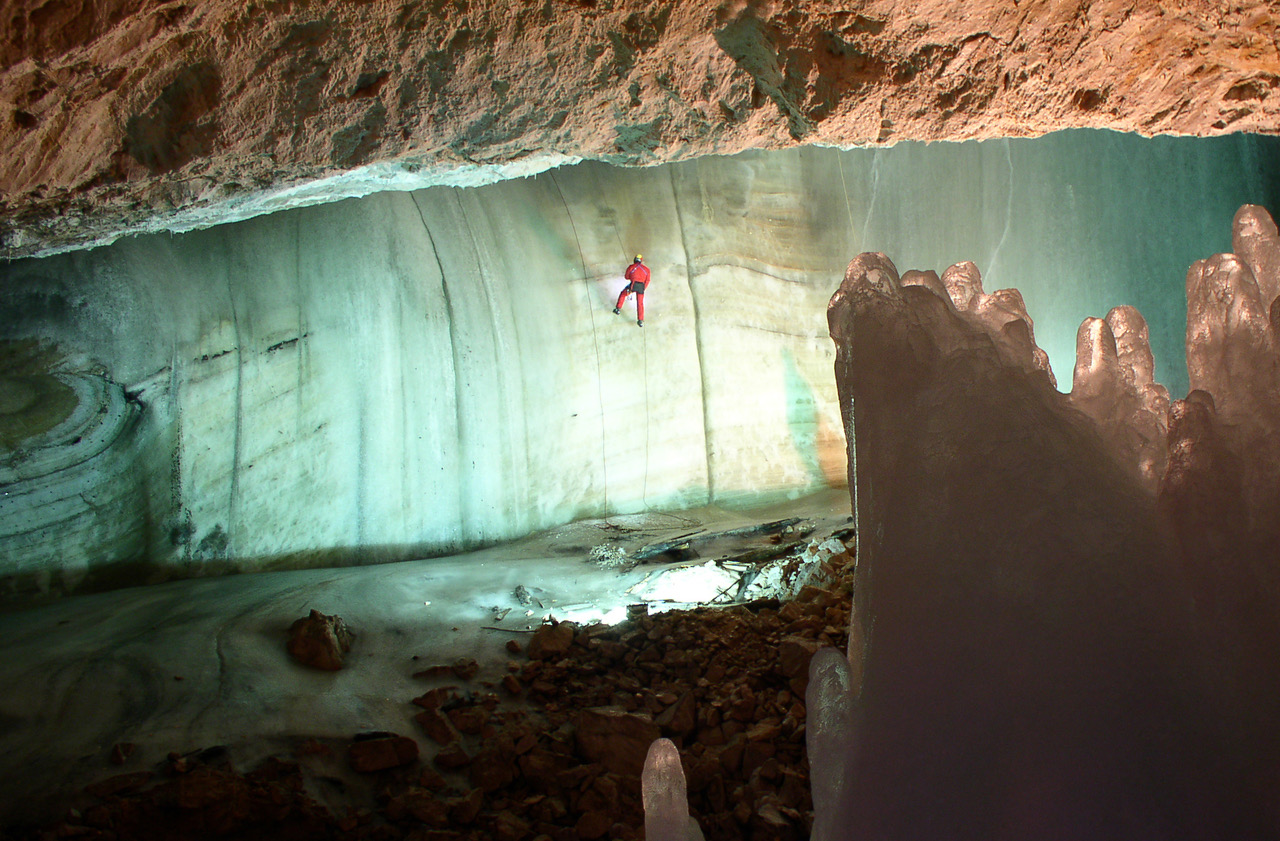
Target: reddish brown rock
(430,779)
(452,757)
(436,725)
(551,640)
(469,720)
(422,805)
(435,697)
(320,641)
(512,684)
(538,766)
(463,810)
(794,654)
(378,754)
(490,770)
(464,668)
(593,825)
(121,752)
(680,718)
(119,784)
(508,826)
(618,740)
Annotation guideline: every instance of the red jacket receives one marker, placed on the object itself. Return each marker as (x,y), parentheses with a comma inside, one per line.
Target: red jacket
(638,273)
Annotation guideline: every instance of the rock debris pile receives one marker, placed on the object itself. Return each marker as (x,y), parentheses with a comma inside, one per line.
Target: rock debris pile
(553,749)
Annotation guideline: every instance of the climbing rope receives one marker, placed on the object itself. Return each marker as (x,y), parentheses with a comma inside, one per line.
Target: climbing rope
(644,344)
(847,207)
(591,311)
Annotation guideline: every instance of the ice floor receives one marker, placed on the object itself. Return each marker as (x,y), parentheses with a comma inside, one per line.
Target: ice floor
(200,663)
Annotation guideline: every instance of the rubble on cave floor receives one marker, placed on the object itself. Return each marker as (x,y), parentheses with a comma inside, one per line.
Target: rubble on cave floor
(550,743)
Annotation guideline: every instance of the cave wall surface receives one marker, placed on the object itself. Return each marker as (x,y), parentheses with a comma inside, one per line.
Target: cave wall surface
(119,115)
(418,372)
(413,373)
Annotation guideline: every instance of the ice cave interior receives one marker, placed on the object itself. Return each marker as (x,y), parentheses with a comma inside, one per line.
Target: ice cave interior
(938,495)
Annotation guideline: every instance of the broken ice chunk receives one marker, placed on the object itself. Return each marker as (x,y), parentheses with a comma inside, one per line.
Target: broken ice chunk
(829,737)
(666,805)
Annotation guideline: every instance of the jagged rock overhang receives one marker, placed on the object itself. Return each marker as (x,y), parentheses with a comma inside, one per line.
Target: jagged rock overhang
(131,117)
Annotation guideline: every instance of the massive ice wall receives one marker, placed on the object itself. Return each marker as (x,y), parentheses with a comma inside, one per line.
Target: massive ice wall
(1068,630)
(416,372)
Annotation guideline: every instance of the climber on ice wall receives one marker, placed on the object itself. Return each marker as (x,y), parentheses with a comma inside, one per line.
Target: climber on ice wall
(637,275)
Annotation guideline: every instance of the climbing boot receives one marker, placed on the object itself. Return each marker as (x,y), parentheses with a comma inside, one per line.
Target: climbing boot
(616,310)
(639,322)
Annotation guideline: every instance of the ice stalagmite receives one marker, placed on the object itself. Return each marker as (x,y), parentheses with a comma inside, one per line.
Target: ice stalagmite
(1220,496)
(1233,354)
(1003,313)
(1255,240)
(829,739)
(1113,385)
(666,804)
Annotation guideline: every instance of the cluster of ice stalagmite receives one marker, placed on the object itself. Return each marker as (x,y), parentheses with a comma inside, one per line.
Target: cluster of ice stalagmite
(1233,357)
(1067,607)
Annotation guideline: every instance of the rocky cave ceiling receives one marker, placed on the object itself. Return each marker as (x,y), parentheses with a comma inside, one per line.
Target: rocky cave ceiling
(123,116)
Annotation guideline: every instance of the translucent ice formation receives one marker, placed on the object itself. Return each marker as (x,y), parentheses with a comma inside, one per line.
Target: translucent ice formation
(1067,607)
(829,739)
(1113,384)
(1003,313)
(666,804)
(1233,354)
(1254,239)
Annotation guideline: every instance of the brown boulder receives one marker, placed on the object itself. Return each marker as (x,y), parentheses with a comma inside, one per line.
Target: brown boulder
(794,654)
(437,726)
(616,739)
(464,668)
(551,640)
(119,784)
(491,770)
(422,805)
(320,641)
(593,825)
(508,826)
(681,717)
(452,757)
(380,753)
(463,810)
(435,697)
(121,752)
(469,720)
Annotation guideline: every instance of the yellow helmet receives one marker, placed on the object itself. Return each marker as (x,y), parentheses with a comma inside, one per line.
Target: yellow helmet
(639,257)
